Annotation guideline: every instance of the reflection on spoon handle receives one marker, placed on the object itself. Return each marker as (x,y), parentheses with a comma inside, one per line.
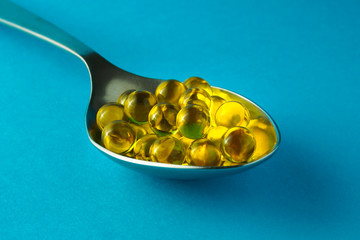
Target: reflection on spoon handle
(16,16)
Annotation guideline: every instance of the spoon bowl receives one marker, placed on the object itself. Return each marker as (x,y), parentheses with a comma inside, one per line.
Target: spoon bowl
(109,81)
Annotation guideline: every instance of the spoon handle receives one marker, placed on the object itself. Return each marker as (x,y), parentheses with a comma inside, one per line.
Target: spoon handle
(16,16)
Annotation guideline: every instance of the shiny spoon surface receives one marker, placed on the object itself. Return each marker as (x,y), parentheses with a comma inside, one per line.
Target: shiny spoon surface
(107,82)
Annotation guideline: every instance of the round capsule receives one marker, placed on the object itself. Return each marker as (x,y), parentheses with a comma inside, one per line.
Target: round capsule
(138,105)
(198,82)
(232,114)
(118,137)
(170,91)
(195,96)
(162,118)
(108,113)
(216,102)
(238,144)
(121,100)
(142,147)
(167,150)
(265,136)
(203,152)
(215,134)
(193,121)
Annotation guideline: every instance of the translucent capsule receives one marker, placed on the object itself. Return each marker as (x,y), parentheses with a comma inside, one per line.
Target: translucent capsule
(197,82)
(195,96)
(193,121)
(108,113)
(142,147)
(203,152)
(138,105)
(139,130)
(238,144)
(121,100)
(167,150)
(118,137)
(265,136)
(216,102)
(162,118)
(232,114)
(215,134)
(170,91)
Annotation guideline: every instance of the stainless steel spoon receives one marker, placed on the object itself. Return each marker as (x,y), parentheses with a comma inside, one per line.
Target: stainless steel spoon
(107,82)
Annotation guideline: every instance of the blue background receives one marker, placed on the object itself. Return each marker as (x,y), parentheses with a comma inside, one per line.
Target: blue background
(299,60)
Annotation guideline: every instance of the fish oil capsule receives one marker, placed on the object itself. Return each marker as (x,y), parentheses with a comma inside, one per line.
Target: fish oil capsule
(142,147)
(265,136)
(216,102)
(195,96)
(170,91)
(198,82)
(162,118)
(121,100)
(215,134)
(138,105)
(203,152)
(139,130)
(118,137)
(193,121)
(108,113)
(232,114)
(238,144)
(167,150)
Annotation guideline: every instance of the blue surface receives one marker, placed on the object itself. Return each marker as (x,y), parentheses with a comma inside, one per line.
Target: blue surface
(299,60)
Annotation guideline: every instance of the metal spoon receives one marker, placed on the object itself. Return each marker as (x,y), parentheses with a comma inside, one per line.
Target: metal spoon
(107,82)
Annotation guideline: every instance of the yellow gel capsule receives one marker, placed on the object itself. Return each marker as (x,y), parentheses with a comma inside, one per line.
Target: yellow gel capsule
(215,134)
(138,105)
(216,102)
(265,136)
(162,118)
(193,121)
(167,150)
(232,114)
(170,91)
(238,144)
(118,136)
(139,130)
(108,113)
(197,82)
(121,100)
(203,152)
(195,96)
(142,147)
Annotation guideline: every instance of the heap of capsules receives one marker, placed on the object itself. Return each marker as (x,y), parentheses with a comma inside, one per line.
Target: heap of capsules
(182,123)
